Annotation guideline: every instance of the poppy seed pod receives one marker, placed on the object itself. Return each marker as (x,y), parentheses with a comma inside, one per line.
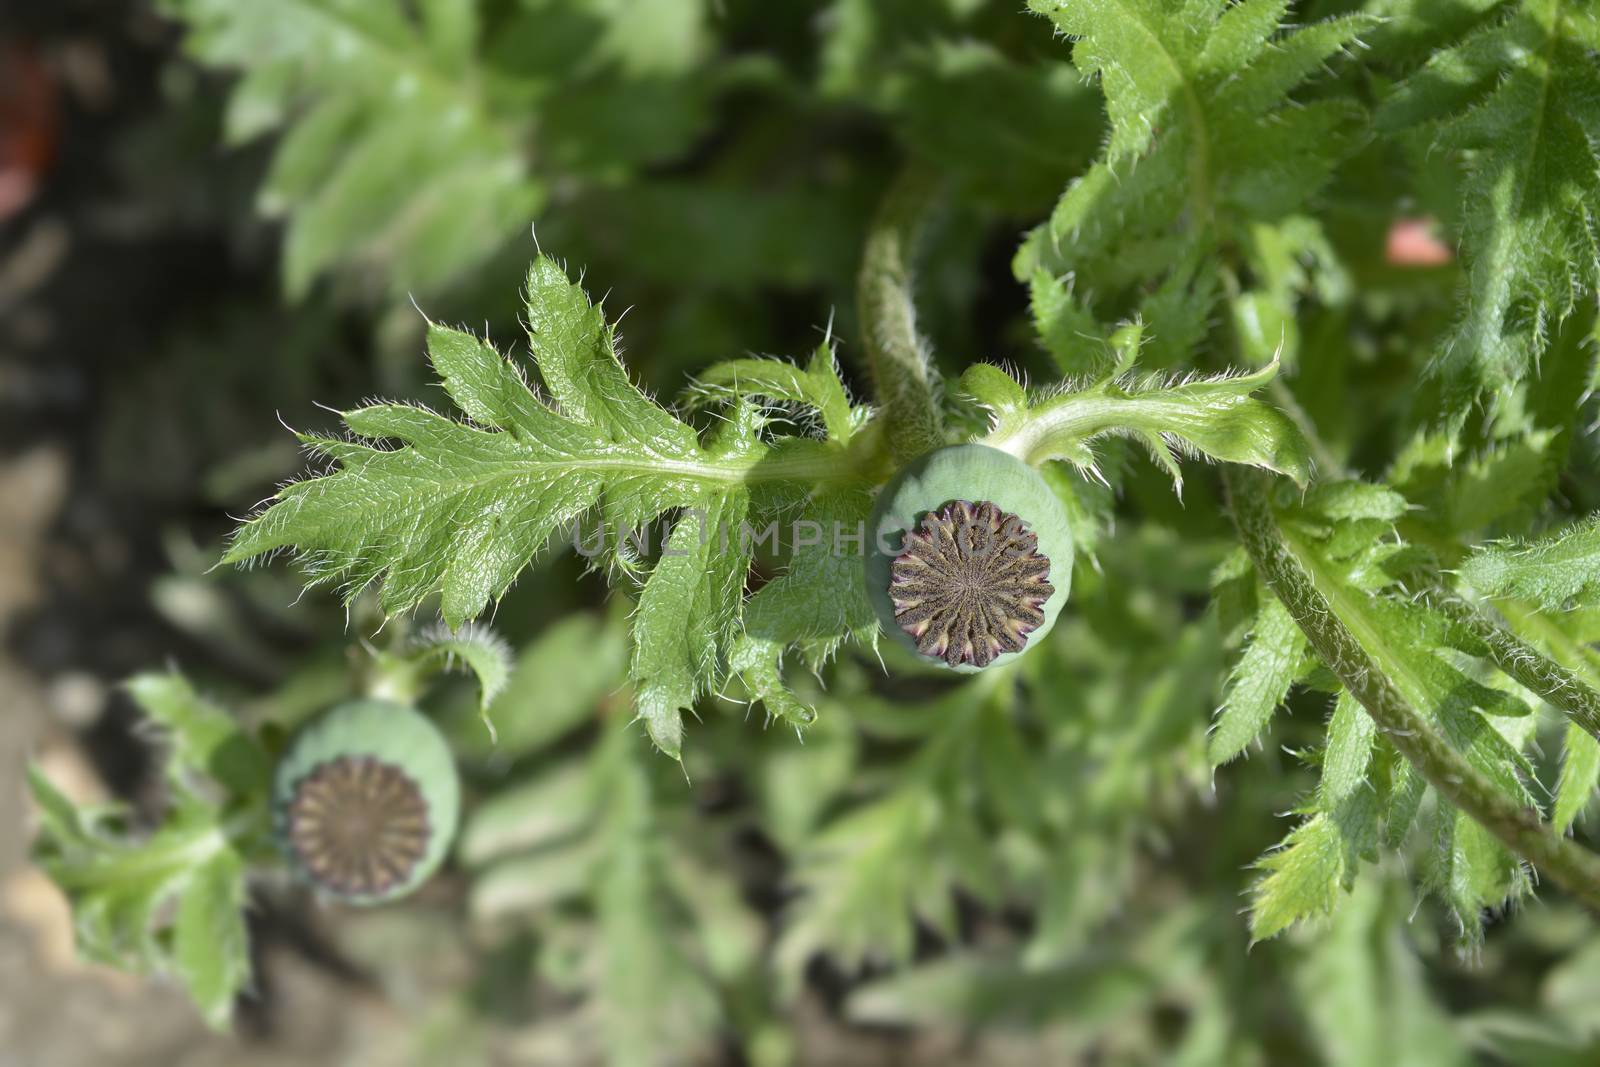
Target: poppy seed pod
(969,557)
(365,801)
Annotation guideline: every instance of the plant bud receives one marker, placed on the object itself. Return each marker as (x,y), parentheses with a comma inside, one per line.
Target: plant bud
(970,557)
(365,801)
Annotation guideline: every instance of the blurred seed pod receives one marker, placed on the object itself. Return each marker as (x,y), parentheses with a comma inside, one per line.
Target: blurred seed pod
(365,801)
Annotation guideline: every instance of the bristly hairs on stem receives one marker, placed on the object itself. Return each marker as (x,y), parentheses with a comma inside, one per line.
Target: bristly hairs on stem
(1518,827)
(906,382)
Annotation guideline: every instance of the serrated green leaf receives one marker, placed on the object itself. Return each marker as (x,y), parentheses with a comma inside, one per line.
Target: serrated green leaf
(489,390)
(1344,765)
(122,889)
(478,649)
(1259,682)
(820,596)
(1210,77)
(1234,595)
(1470,867)
(817,603)
(1407,789)
(396,154)
(209,942)
(204,737)
(872,872)
(1580,771)
(1519,99)
(1319,858)
(1470,870)
(461,509)
(1066,326)
(1302,878)
(995,389)
(864,869)
(419,138)
(1557,571)
(577,359)
(1214,417)
(1315,864)
(687,614)
(817,386)
(557,682)
(1503,484)
(759,664)
(1347,501)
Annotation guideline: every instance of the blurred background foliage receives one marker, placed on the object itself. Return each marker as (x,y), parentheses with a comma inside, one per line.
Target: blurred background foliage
(229,211)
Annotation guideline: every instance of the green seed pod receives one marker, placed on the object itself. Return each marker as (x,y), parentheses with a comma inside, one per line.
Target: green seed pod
(969,557)
(365,801)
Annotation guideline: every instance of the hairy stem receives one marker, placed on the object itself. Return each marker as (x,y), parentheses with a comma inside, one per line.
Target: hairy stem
(1529,667)
(1325,614)
(905,381)
(1525,664)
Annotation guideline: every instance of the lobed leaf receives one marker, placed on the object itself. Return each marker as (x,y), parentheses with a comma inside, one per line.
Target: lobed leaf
(422,505)
(1259,683)
(203,737)
(1519,101)
(126,892)
(1580,772)
(394,151)
(1557,572)
(816,385)
(1469,869)
(479,650)
(1200,143)
(1319,858)
(209,941)
(687,614)
(1215,417)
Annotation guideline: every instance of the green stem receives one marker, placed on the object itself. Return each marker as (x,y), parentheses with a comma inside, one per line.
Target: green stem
(1325,615)
(1529,667)
(904,379)
(1525,664)
(1534,624)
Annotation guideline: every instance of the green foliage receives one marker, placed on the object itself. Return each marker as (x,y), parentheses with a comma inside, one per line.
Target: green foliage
(1337,536)
(1518,101)
(1048,857)
(412,129)
(1202,143)
(475,648)
(1555,572)
(374,93)
(869,874)
(1008,132)
(1212,417)
(1580,772)
(1321,855)
(1260,680)
(122,883)
(461,508)
(578,853)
